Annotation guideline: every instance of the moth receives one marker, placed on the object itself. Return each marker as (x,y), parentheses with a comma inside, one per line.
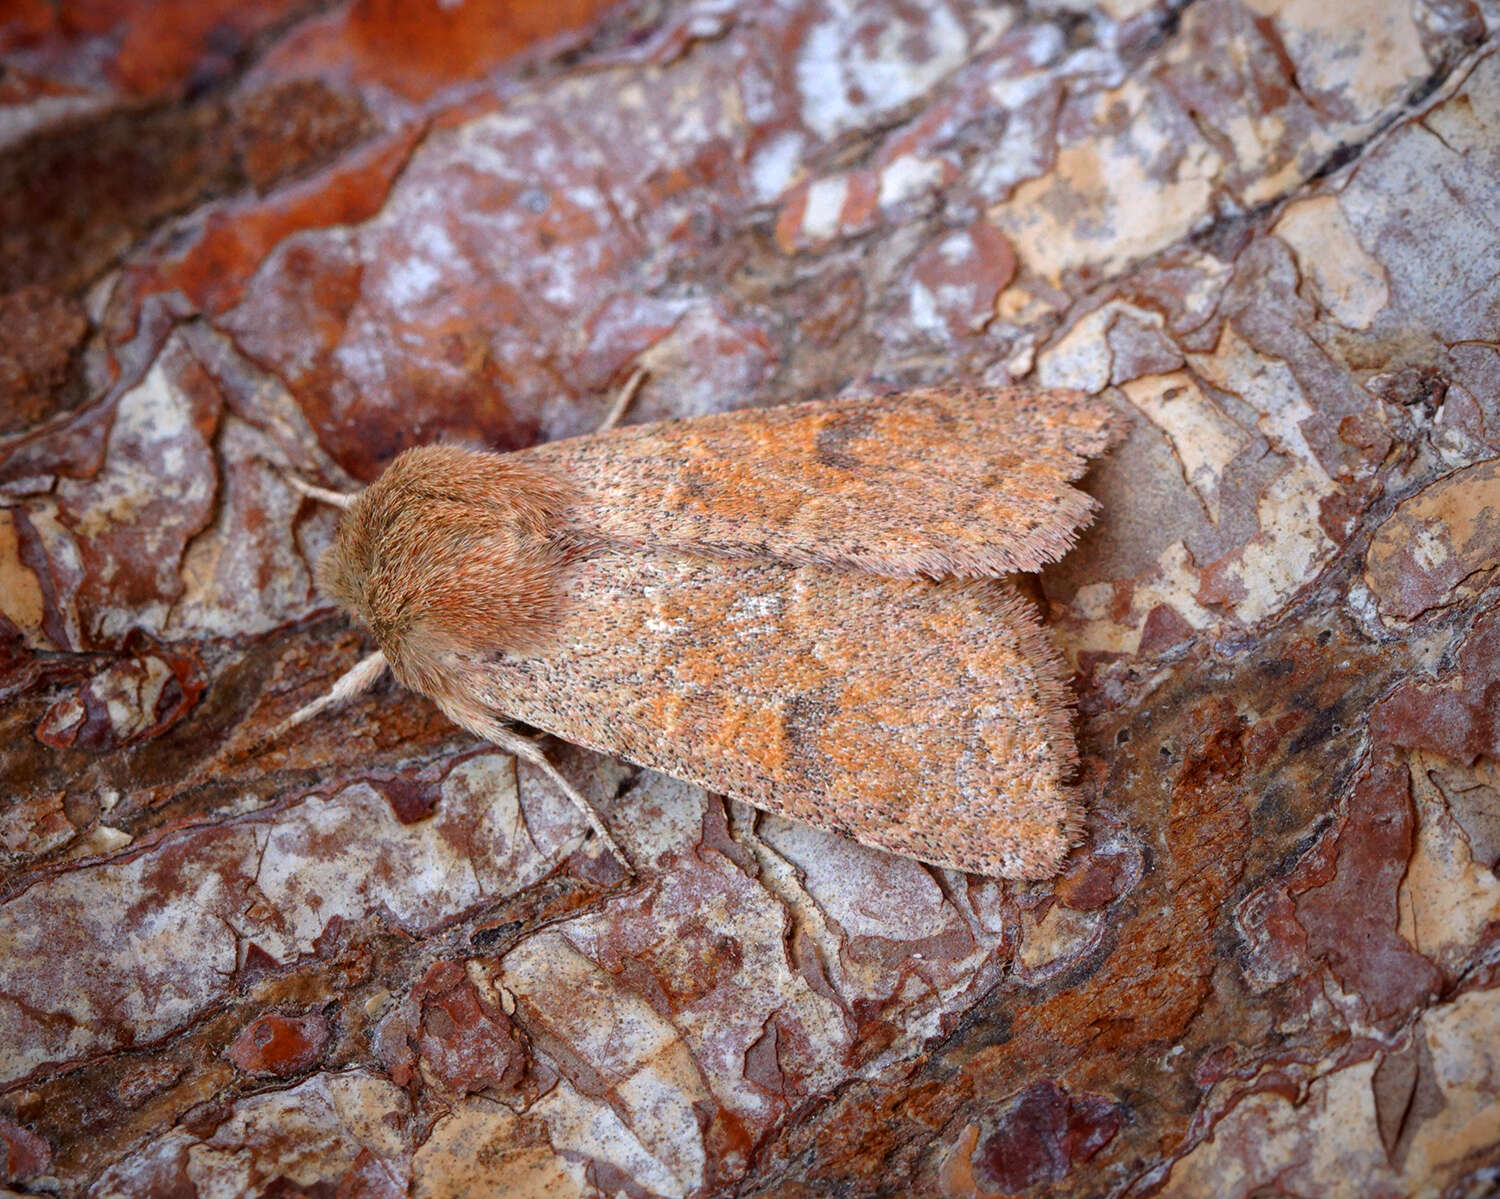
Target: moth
(805,608)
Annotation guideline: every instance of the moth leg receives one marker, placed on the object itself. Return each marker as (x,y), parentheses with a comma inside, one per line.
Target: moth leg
(622,400)
(482,724)
(523,747)
(337,498)
(358,678)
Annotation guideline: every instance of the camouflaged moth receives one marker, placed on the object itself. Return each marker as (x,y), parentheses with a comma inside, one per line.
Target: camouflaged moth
(804,608)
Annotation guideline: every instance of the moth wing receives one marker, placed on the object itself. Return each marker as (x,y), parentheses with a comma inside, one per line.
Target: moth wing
(937,482)
(924,718)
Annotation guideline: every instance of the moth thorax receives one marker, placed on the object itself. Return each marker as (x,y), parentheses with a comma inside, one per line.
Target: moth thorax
(451,551)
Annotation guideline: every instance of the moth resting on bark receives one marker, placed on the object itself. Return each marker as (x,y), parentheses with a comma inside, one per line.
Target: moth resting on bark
(804,608)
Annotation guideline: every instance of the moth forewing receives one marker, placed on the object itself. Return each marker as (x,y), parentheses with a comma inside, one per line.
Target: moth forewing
(925,718)
(937,482)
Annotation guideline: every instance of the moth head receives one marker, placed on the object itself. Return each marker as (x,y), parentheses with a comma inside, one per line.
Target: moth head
(451,553)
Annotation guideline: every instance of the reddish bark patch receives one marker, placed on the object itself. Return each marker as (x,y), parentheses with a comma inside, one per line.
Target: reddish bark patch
(1350,919)
(167,45)
(464,1037)
(412,799)
(280,1045)
(418,50)
(39,330)
(216,268)
(960,275)
(1459,715)
(290,127)
(1095,881)
(1040,1133)
(26,1154)
(1163,629)
(70,203)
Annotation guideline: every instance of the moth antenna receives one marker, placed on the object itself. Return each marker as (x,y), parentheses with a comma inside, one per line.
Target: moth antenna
(623,400)
(522,747)
(481,724)
(337,498)
(358,678)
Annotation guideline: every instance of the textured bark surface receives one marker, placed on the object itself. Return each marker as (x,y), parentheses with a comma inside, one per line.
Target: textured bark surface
(379,959)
